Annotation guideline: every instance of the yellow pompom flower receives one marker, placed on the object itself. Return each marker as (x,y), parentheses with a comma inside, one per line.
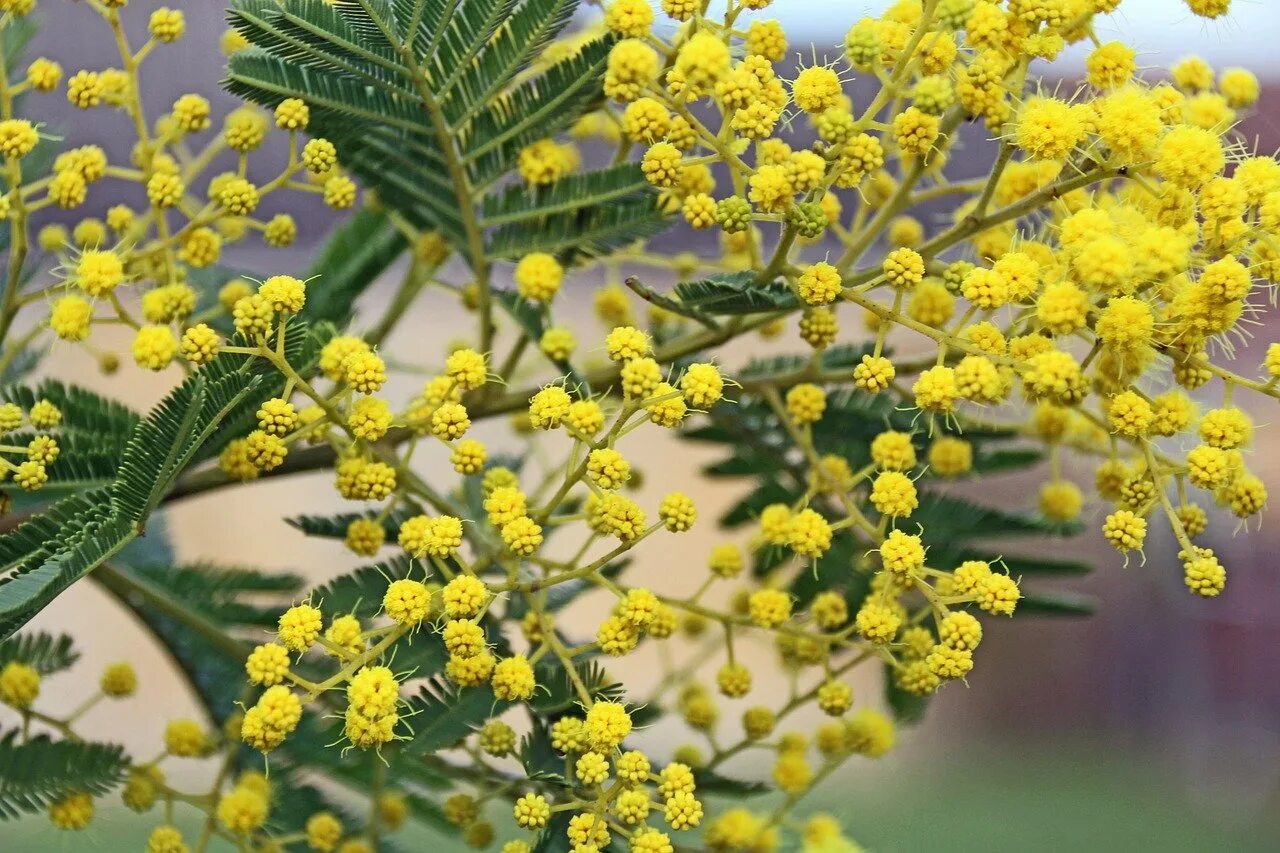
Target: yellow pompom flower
(186,739)
(607,725)
(154,347)
(816,89)
(819,284)
(513,679)
(464,596)
(769,608)
(292,114)
(1048,128)
(629,18)
(299,627)
(72,811)
(806,403)
(538,276)
(677,512)
(70,317)
(1111,65)
(119,680)
(242,810)
(267,664)
(810,534)
(19,685)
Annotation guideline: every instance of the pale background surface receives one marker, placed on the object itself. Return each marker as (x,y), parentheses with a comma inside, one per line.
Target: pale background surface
(1154,725)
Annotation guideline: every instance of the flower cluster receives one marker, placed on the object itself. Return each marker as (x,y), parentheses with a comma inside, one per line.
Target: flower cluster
(1080,297)
(136,265)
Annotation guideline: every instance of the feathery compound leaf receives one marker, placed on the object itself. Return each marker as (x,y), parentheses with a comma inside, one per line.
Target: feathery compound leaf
(335,526)
(49,553)
(518,203)
(37,538)
(232,597)
(353,257)
(46,554)
(208,657)
(948,557)
(26,593)
(587,232)
(1055,603)
(442,714)
(152,459)
(712,782)
(42,652)
(82,410)
(735,293)
(834,358)
(214,404)
(557,692)
(38,772)
(537,108)
(86,461)
(361,592)
(431,103)
(948,519)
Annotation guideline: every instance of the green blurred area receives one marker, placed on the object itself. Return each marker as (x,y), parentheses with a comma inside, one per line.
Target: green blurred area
(990,800)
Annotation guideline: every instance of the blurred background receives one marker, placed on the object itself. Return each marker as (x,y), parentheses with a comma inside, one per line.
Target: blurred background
(1153,725)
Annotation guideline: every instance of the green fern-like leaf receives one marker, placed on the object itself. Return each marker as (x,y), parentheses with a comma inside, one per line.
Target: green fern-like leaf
(353,257)
(82,410)
(949,519)
(431,103)
(44,556)
(834,358)
(207,655)
(360,592)
(231,596)
(442,714)
(35,539)
(24,594)
(45,653)
(735,293)
(518,202)
(1055,603)
(335,526)
(587,232)
(557,692)
(36,773)
(86,461)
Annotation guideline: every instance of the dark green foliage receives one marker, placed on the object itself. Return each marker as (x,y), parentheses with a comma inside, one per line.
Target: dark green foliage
(195,611)
(442,714)
(40,771)
(92,435)
(74,536)
(431,103)
(335,526)
(1055,603)
(44,653)
(556,694)
(232,597)
(735,293)
(83,411)
(538,757)
(711,782)
(356,253)
(360,592)
(91,534)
